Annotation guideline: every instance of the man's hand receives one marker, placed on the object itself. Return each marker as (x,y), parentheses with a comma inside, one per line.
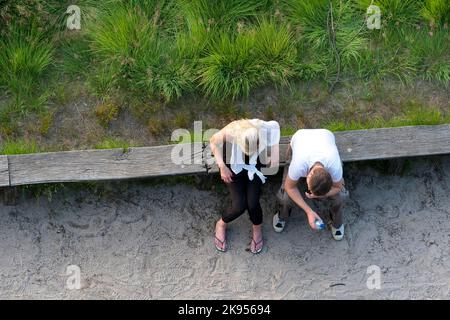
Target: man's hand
(312,216)
(226,174)
(311,196)
(335,189)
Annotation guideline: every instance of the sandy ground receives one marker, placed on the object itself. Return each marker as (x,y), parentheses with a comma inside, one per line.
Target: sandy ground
(155,242)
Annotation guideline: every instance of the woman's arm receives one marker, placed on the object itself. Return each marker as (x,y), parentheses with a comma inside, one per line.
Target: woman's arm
(216,144)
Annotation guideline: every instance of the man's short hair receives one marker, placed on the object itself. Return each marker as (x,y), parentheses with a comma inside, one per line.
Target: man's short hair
(320,182)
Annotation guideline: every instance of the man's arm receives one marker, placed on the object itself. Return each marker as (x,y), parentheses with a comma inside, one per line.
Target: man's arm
(335,189)
(290,186)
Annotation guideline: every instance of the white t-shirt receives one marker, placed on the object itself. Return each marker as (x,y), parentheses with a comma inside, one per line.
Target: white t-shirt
(269,135)
(314,145)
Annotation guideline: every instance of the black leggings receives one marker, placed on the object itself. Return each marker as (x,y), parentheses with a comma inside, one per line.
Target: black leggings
(245,195)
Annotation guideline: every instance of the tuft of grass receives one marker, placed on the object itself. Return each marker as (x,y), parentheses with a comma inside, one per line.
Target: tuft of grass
(377,65)
(288,130)
(332,35)
(74,56)
(414,115)
(118,32)
(8,125)
(19,146)
(276,47)
(104,80)
(24,58)
(115,37)
(222,15)
(155,127)
(161,71)
(113,143)
(206,24)
(106,112)
(235,65)
(437,12)
(231,68)
(45,122)
(432,53)
(163,14)
(16,14)
(192,43)
(352,125)
(395,14)
(136,54)
(182,120)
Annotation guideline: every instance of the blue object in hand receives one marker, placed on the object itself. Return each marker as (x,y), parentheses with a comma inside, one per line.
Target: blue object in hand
(319,224)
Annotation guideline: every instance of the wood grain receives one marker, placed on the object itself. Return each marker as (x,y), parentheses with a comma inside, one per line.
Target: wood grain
(111,164)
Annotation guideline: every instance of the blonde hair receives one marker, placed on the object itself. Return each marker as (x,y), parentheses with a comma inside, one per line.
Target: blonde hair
(246,135)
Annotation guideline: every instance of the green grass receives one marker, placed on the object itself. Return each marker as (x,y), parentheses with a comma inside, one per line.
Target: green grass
(113,143)
(74,57)
(412,116)
(276,48)
(288,130)
(24,58)
(164,49)
(220,14)
(432,53)
(159,51)
(231,68)
(134,55)
(234,65)
(396,13)
(161,72)
(437,12)
(332,34)
(20,146)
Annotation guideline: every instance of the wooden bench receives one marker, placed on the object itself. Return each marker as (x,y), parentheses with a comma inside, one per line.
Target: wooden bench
(4,172)
(111,164)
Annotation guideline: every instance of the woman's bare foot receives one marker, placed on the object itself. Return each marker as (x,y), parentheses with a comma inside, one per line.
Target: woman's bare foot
(220,236)
(257,239)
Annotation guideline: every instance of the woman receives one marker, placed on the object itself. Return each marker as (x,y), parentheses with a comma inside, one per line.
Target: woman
(245,142)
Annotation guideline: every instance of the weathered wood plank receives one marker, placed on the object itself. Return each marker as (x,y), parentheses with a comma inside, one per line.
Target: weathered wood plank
(387,143)
(4,172)
(113,164)
(72,166)
(393,142)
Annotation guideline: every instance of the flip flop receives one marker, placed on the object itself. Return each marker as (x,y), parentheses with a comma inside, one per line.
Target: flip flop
(223,244)
(256,245)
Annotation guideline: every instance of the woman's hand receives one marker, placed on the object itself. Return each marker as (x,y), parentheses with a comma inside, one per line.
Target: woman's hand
(226,174)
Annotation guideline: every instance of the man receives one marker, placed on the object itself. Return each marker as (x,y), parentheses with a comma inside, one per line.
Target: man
(313,162)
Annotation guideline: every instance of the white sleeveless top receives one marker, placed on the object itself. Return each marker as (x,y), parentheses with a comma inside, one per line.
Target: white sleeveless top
(269,135)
